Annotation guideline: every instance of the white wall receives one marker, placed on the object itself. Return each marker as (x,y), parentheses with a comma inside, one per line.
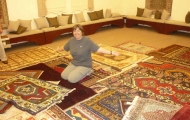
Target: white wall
(27,9)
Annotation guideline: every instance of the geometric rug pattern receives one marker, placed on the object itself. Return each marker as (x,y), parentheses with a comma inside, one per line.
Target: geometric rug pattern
(30,57)
(30,94)
(136,47)
(148,109)
(175,54)
(146,80)
(107,105)
(125,59)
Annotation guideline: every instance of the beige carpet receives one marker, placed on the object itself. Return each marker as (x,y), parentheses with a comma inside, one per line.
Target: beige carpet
(139,34)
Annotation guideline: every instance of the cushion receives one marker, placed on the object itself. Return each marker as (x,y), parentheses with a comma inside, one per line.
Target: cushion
(80,17)
(20,30)
(108,13)
(41,22)
(26,23)
(93,16)
(25,89)
(70,18)
(187,17)
(53,22)
(140,12)
(100,14)
(147,13)
(13,25)
(165,15)
(115,15)
(157,15)
(62,20)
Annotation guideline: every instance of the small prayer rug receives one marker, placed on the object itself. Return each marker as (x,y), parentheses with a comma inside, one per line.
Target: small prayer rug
(30,57)
(136,47)
(31,94)
(146,81)
(148,109)
(104,106)
(30,73)
(81,93)
(53,113)
(175,53)
(182,114)
(124,60)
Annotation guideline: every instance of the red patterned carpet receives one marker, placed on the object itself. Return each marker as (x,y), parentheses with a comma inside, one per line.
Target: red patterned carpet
(81,93)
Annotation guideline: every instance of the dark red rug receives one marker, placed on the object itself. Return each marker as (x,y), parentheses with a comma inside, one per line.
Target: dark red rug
(81,93)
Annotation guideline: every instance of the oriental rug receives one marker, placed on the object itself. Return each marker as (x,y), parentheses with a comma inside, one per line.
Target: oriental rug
(173,74)
(125,59)
(146,81)
(30,73)
(81,93)
(182,114)
(109,105)
(29,57)
(175,54)
(159,5)
(31,94)
(4,106)
(148,109)
(53,113)
(136,47)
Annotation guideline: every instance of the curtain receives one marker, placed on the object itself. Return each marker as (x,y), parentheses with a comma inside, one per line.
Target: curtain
(4,18)
(42,9)
(91,5)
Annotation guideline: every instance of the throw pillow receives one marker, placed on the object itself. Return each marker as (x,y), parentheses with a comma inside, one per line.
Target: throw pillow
(187,17)
(108,13)
(147,13)
(26,23)
(70,18)
(157,15)
(92,15)
(20,30)
(41,22)
(140,12)
(80,17)
(165,15)
(100,14)
(53,22)
(13,25)
(62,20)
(115,15)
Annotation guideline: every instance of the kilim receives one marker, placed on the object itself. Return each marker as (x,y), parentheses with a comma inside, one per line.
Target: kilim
(148,109)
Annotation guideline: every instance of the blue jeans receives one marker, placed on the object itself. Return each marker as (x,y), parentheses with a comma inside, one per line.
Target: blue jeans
(74,73)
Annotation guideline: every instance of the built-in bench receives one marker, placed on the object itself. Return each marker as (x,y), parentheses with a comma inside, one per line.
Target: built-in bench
(36,36)
(154,23)
(171,26)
